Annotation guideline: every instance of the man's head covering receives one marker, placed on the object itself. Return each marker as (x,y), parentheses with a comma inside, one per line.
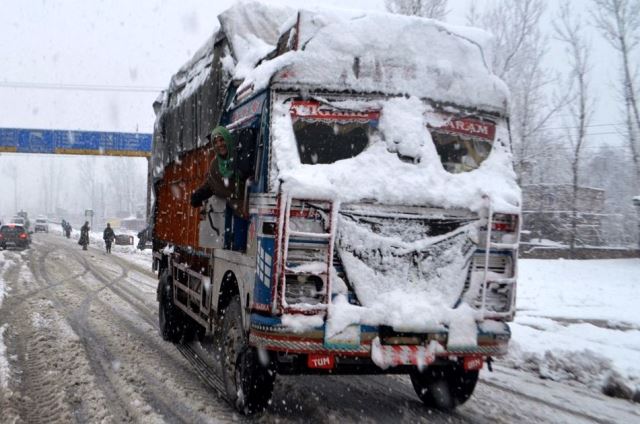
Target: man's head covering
(222,131)
(225,165)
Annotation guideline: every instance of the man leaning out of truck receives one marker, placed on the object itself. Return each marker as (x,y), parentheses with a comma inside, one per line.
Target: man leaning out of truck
(222,179)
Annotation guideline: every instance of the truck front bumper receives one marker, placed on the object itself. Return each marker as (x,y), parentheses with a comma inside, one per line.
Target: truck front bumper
(376,345)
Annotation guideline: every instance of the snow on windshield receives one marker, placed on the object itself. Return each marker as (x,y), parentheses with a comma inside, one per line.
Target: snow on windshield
(400,166)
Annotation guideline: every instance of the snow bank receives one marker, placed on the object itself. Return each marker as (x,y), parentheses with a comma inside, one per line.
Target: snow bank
(577,320)
(4,362)
(4,264)
(604,290)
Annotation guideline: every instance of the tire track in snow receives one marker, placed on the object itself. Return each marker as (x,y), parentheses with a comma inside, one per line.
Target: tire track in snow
(51,367)
(160,400)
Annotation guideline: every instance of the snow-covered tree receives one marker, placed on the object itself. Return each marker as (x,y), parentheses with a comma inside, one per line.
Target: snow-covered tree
(11,171)
(619,22)
(89,179)
(434,9)
(607,167)
(519,48)
(568,30)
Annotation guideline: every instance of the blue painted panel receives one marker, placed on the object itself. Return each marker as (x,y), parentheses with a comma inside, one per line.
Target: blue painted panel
(264,267)
(74,142)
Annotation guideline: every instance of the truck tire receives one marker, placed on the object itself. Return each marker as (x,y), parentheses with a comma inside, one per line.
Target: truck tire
(248,383)
(169,316)
(444,387)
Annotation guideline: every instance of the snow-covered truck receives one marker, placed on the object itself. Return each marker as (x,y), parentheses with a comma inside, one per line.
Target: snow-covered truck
(383,210)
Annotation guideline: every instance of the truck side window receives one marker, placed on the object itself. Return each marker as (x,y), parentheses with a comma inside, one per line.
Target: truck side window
(246,152)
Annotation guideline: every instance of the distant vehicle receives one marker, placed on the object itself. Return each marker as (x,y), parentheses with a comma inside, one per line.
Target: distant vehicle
(128,228)
(124,240)
(22,214)
(41,225)
(133,224)
(14,235)
(18,220)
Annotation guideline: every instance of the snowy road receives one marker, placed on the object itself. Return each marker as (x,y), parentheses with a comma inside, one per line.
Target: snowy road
(79,343)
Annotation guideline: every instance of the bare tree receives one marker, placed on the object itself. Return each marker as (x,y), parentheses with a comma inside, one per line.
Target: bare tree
(11,171)
(608,169)
(434,9)
(519,48)
(88,179)
(51,179)
(619,21)
(568,29)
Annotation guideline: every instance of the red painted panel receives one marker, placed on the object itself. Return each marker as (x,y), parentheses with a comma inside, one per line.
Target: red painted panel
(176,220)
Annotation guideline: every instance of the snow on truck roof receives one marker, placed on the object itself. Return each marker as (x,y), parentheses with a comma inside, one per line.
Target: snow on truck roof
(402,61)
(361,51)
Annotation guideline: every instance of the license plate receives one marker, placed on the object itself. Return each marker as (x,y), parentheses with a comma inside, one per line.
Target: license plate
(325,362)
(473,363)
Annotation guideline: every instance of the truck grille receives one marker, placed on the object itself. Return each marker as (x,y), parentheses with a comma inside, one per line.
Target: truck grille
(414,253)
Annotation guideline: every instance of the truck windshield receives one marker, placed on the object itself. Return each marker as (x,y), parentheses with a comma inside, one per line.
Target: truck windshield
(463,144)
(326,135)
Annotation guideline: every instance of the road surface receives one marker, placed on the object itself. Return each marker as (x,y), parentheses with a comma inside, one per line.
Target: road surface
(82,345)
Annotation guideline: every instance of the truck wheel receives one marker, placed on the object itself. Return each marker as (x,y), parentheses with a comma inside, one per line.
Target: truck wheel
(444,387)
(169,317)
(248,383)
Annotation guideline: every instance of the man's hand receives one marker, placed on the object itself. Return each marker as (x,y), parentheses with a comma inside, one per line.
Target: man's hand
(200,195)
(196,202)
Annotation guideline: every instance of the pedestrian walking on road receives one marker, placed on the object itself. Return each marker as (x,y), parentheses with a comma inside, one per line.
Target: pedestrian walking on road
(108,236)
(84,235)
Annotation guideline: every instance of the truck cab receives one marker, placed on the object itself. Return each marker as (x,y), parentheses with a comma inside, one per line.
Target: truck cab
(384,216)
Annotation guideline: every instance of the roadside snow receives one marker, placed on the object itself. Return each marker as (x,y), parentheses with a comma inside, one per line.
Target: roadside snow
(4,363)
(142,258)
(4,263)
(578,320)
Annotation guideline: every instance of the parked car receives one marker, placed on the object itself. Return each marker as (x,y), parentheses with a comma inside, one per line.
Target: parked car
(124,240)
(14,235)
(41,225)
(128,228)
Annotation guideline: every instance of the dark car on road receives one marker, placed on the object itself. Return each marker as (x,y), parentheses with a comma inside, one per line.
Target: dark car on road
(14,235)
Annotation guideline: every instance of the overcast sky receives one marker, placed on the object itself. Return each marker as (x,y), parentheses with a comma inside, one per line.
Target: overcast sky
(139,45)
(100,43)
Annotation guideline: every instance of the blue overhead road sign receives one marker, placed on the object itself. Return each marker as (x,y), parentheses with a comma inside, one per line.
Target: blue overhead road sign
(19,140)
